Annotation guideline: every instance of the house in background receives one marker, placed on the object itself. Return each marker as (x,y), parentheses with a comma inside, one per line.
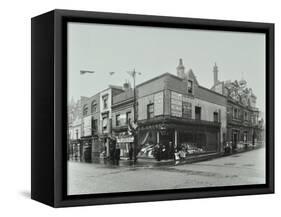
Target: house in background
(244,124)
(74,130)
(91,132)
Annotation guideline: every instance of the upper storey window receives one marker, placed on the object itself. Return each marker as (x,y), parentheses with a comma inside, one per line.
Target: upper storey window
(190,86)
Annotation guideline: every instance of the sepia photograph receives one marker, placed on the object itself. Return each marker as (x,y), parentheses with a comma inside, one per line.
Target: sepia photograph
(158,108)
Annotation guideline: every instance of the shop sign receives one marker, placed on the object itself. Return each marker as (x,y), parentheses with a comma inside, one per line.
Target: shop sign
(125,139)
(176,104)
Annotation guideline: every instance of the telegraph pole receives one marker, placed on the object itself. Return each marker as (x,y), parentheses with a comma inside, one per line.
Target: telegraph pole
(133,74)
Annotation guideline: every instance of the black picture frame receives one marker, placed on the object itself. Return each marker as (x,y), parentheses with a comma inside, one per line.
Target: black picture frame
(49,107)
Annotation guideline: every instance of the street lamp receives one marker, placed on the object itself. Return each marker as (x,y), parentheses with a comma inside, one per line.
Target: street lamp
(133,74)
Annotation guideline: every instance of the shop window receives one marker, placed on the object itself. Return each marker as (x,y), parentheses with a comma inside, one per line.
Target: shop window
(104,123)
(190,86)
(94,106)
(95,125)
(128,116)
(150,111)
(246,116)
(197,113)
(118,122)
(105,101)
(85,110)
(216,117)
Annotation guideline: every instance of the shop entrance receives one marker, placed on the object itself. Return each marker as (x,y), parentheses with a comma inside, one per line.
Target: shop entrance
(87,152)
(166,140)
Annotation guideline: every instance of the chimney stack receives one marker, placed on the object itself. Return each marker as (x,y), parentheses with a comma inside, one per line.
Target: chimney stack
(126,86)
(215,71)
(180,69)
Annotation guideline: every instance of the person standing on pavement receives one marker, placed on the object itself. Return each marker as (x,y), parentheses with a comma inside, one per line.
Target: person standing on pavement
(117,154)
(163,151)
(130,151)
(112,146)
(157,152)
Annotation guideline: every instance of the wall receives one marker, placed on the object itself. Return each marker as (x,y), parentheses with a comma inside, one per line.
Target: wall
(76,126)
(105,110)
(152,86)
(157,99)
(15,92)
(122,110)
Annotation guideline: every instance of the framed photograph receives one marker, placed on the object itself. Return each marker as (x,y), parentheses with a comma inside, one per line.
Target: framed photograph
(134,108)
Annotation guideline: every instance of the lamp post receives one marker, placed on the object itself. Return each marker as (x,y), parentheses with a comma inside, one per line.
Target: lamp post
(133,74)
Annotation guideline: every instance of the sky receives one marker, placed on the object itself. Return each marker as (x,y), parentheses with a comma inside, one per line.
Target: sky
(105,48)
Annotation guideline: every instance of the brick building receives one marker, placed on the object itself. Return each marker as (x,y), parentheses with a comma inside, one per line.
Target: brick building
(244,126)
(177,110)
(91,144)
(74,129)
(97,123)
(122,114)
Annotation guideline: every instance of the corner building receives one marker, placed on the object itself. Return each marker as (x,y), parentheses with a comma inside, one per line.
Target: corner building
(177,110)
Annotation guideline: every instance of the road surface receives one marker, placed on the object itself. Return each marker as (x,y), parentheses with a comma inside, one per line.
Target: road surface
(239,169)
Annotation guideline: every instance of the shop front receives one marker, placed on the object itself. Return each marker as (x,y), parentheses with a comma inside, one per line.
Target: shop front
(126,143)
(241,137)
(86,149)
(186,137)
(74,150)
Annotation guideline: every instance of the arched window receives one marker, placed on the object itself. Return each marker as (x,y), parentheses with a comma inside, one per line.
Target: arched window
(94,106)
(85,110)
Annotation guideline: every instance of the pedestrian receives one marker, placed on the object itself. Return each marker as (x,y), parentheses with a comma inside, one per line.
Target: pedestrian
(157,152)
(171,150)
(112,146)
(117,154)
(130,151)
(163,151)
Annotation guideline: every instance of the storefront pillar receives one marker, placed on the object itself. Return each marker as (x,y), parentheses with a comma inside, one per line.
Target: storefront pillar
(106,144)
(157,137)
(176,138)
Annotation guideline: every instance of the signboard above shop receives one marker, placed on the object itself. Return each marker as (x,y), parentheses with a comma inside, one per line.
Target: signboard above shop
(125,139)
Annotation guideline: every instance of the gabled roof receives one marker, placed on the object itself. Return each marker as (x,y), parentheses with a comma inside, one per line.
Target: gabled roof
(191,75)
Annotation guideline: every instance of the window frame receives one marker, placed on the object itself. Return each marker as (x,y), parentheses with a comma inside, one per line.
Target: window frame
(150,105)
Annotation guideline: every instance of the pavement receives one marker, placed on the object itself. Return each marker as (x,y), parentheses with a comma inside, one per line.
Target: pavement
(238,169)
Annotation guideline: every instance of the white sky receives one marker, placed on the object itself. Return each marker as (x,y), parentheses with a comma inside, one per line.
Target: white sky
(153,51)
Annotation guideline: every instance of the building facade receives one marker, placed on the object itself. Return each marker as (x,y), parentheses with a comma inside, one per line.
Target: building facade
(244,125)
(177,111)
(173,111)
(106,99)
(96,124)
(74,130)
(91,144)
(122,115)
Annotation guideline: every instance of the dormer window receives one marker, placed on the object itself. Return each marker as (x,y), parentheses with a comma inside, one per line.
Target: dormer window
(190,86)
